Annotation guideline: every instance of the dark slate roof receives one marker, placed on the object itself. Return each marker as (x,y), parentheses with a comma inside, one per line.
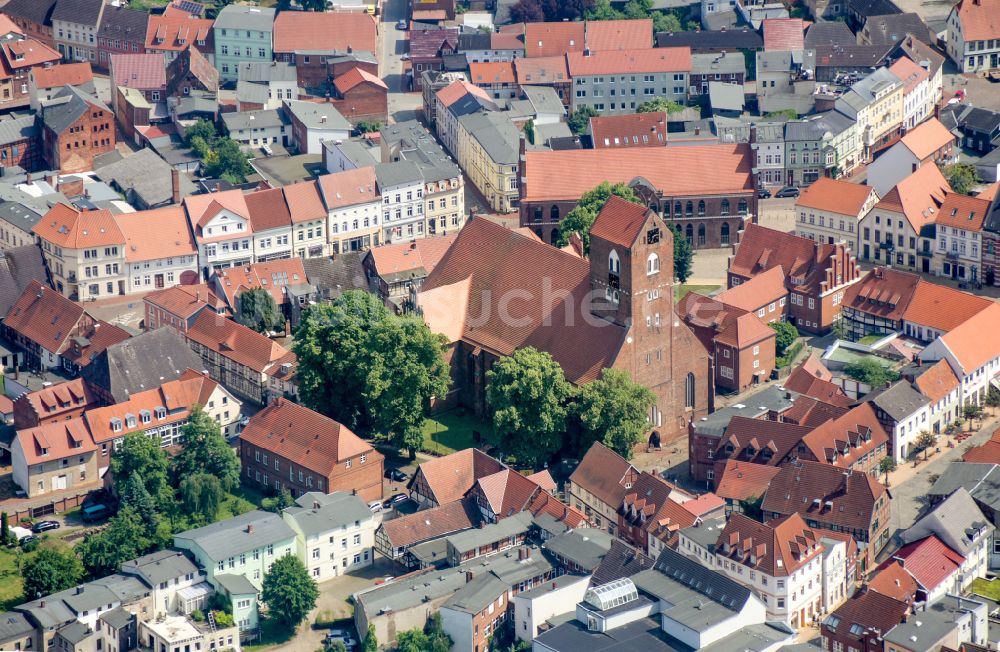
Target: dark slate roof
(122,22)
(899,401)
(333,276)
(475,41)
(14,625)
(81,12)
(18,268)
(851,56)
(727,39)
(892,28)
(36,11)
(716,587)
(874,7)
(830,33)
(59,117)
(142,362)
(992,223)
(622,560)
(18,129)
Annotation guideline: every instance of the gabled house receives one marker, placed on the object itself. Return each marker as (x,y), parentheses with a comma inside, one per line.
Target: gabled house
(503,494)
(122,30)
(855,441)
(973,355)
(54,457)
(176,30)
(75,130)
(395,538)
(179,306)
(43,323)
(648,517)
(973,30)
(929,142)
(19,57)
(961,238)
(284,280)
(447,479)
(334,532)
(860,623)
(60,402)
(271,224)
(599,484)
(830,210)
(220,222)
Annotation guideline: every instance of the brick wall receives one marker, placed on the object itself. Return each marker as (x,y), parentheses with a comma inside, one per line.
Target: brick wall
(75,148)
(26,153)
(364,102)
(364,479)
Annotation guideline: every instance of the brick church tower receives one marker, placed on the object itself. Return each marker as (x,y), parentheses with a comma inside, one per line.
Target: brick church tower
(631,279)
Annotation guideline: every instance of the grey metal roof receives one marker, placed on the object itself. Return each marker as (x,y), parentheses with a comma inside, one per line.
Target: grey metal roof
(411,141)
(816,127)
(982,481)
(59,116)
(431,553)
(117,618)
(145,174)
(700,40)
(585,547)
(643,635)
(544,99)
(832,32)
(266,119)
(477,594)
(470,103)
(251,92)
(18,268)
(14,625)
(333,276)
(266,71)
(495,133)
(231,537)
(722,63)
(75,632)
(161,566)
(197,102)
(508,527)
(957,521)
(773,398)
(80,12)
(335,511)
(706,533)
(235,584)
(142,362)
(863,92)
(900,400)
(725,97)
(893,28)
(317,116)
(244,17)
(17,129)
(924,629)
(397,174)
(48,613)
(355,151)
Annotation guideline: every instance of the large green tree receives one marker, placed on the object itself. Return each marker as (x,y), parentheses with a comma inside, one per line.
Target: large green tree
(614,411)
(683,255)
(528,396)
(961,177)
(136,497)
(142,454)
(785,335)
(288,591)
(432,638)
(869,371)
(51,569)
(202,129)
(369,369)
(579,120)
(582,217)
(124,538)
(259,311)
(660,104)
(227,160)
(206,451)
(201,495)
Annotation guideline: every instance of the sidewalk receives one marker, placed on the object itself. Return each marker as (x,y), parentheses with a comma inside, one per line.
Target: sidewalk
(907,471)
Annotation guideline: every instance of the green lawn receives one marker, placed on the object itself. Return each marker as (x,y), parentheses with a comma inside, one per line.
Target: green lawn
(868,340)
(11,586)
(986,588)
(452,431)
(681,291)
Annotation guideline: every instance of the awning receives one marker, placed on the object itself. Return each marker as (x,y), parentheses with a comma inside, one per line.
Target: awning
(199,590)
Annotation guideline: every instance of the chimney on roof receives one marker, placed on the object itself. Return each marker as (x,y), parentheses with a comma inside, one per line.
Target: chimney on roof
(468,576)
(315,504)
(249,528)
(52,179)
(175,186)
(28,180)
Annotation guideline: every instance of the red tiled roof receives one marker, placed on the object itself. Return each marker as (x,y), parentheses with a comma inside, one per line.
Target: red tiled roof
(869,610)
(305,437)
(94,342)
(812,412)
(937,381)
(847,439)
(267,209)
(51,402)
(620,221)
(980,19)
(771,441)
(349,187)
(911,75)
(492,72)
(202,208)
(343,31)
(777,548)
(70,228)
(180,300)
(987,453)
(713,320)
(704,504)
(71,74)
(485,262)
(55,441)
(744,480)
(963,212)
(852,495)
(354,77)
(402,257)
(698,169)
(175,30)
(236,342)
(158,233)
(648,503)
(602,473)
(629,130)
(507,40)
(458,89)
(974,342)
(553,39)
(304,201)
(45,317)
(836,196)
(929,561)
(430,43)
(27,53)
(802,381)
(273,276)
(547,504)
(428,524)
(893,581)
(139,71)
(783,34)
(450,478)
(941,307)
(918,196)
(544,480)
(541,70)
(619,34)
(761,290)
(507,492)
(613,62)
(883,292)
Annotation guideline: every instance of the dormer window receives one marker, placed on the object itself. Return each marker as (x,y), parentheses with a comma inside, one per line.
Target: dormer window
(145,416)
(130,420)
(161,412)
(116,425)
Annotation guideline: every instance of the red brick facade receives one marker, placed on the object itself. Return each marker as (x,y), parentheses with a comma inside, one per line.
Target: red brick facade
(74,149)
(318,70)
(26,153)
(365,101)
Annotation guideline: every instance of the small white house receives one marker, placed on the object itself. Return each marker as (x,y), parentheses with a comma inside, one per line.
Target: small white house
(334,533)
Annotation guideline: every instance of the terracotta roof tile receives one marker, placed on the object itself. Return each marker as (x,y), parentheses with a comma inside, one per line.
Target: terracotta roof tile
(980,19)
(349,188)
(772,441)
(94,342)
(72,74)
(629,130)
(45,317)
(457,90)
(236,342)
(27,53)
(937,382)
(963,212)
(648,505)
(608,62)
(404,257)
(450,478)
(553,39)
(304,202)
(974,342)
(507,492)
(911,74)
(544,480)
(507,41)
(894,582)
(802,381)
(428,524)
(845,440)
(941,307)
(704,504)
(778,548)
(541,70)
(620,221)
(55,441)
(986,453)
(619,34)
(918,196)
(783,34)
(273,276)
(697,169)
(175,30)
(342,31)
(305,437)
(929,136)
(870,610)
(52,402)
(202,208)
(852,495)
(139,71)
(544,503)
(761,290)
(812,412)
(602,473)
(355,77)
(883,292)
(929,561)
(70,228)
(268,209)
(179,300)
(836,196)
(492,72)
(744,480)
(158,233)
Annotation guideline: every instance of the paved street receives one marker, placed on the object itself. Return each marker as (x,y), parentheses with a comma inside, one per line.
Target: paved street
(402,105)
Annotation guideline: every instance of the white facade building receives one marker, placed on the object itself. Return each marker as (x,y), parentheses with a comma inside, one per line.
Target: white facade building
(334,533)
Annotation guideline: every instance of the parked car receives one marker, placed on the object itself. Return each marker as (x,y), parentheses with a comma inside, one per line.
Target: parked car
(95,512)
(349,641)
(401,25)
(375,506)
(763,193)
(787,191)
(395,500)
(395,475)
(45,526)
(29,543)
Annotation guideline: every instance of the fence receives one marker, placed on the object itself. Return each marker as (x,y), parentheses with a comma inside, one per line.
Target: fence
(54,506)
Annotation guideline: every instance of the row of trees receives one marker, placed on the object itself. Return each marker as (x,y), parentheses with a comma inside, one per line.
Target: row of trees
(581,219)
(535,11)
